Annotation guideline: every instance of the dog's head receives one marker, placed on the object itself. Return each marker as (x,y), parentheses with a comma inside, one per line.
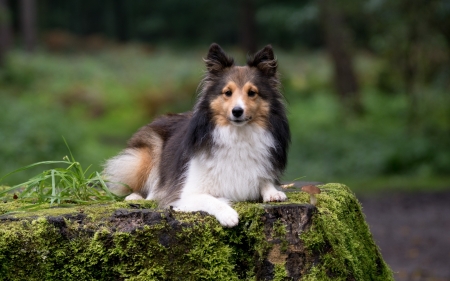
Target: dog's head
(240,95)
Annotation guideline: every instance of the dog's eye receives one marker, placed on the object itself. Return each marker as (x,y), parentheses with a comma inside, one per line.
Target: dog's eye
(228,93)
(251,93)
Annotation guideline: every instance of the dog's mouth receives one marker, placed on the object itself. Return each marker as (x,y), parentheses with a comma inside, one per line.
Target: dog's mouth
(240,121)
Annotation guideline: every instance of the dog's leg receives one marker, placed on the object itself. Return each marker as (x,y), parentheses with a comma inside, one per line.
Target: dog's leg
(219,208)
(269,193)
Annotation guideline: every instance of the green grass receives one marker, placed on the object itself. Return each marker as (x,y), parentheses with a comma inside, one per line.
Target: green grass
(96,101)
(71,184)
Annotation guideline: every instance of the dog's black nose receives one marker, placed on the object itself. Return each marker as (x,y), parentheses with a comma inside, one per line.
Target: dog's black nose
(237,111)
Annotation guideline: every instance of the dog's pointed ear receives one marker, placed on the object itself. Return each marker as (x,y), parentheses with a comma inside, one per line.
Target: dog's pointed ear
(217,60)
(264,60)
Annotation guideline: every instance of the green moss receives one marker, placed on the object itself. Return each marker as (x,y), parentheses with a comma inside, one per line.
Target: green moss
(279,232)
(37,251)
(88,243)
(341,236)
(94,210)
(280,272)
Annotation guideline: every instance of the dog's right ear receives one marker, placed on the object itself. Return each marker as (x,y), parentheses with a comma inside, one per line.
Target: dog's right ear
(264,60)
(217,60)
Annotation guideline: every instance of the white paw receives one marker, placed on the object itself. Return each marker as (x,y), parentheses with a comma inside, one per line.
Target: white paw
(228,217)
(134,196)
(274,195)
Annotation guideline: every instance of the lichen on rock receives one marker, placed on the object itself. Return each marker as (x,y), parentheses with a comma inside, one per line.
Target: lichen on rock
(291,240)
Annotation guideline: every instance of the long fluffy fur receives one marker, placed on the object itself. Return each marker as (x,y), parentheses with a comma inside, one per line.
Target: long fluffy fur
(205,159)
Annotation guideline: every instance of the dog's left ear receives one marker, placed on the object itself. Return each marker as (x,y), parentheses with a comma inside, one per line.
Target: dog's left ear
(264,60)
(217,60)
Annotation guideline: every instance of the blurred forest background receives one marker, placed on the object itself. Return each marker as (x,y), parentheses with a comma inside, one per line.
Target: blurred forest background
(367,82)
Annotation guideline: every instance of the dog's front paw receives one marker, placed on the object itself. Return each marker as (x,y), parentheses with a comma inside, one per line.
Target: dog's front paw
(274,196)
(228,217)
(134,196)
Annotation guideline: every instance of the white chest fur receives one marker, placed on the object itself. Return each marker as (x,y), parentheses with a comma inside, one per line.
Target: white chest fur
(237,167)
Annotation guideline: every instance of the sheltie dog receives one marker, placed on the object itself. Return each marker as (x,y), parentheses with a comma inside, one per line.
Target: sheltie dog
(231,147)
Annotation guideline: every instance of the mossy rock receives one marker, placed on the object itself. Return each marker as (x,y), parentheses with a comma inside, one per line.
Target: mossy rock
(135,241)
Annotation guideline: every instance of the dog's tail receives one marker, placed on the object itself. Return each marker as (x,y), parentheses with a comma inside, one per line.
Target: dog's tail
(134,170)
(119,170)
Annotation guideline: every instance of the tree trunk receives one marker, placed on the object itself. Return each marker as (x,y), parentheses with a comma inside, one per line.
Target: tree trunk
(5,31)
(28,20)
(121,20)
(132,240)
(338,40)
(248,26)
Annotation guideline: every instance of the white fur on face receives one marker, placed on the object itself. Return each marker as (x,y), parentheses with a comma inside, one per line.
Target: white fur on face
(240,103)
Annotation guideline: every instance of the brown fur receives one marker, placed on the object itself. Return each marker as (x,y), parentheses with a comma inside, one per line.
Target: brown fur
(240,84)
(145,166)
(147,144)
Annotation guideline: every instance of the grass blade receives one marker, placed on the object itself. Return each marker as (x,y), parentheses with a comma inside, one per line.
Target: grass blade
(52,200)
(33,165)
(71,184)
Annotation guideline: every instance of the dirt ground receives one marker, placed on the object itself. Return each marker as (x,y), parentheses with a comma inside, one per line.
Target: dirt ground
(413,232)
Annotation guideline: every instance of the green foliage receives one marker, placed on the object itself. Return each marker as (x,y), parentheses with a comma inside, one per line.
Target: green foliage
(72,184)
(289,24)
(95,102)
(30,131)
(330,145)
